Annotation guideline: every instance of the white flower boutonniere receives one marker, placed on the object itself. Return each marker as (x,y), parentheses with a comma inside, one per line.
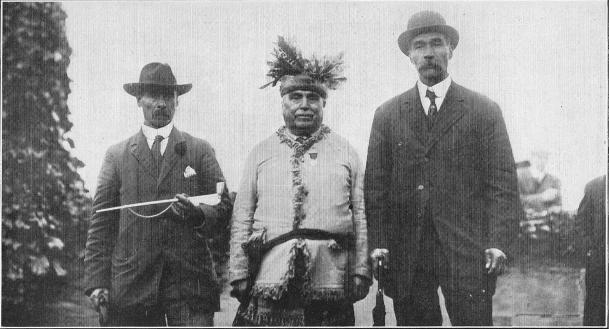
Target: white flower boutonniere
(189,172)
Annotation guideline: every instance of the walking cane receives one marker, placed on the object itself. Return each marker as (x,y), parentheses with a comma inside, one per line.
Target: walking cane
(103,311)
(378,312)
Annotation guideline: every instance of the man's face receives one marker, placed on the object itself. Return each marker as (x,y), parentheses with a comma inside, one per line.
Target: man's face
(430,53)
(159,106)
(303,111)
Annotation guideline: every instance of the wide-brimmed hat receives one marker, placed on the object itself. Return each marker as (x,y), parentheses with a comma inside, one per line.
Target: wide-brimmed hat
(425,22)
(156,76)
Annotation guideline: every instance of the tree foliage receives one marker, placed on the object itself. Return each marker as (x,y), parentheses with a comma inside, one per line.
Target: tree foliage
(42,194)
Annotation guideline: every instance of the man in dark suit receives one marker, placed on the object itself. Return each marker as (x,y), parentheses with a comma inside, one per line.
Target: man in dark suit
(591,223)
(440,185)
(152,264)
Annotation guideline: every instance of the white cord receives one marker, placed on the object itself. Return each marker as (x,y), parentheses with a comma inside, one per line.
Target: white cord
(151,216)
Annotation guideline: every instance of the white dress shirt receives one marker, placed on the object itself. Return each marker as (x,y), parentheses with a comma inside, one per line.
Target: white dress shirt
(439,89)
(150,133)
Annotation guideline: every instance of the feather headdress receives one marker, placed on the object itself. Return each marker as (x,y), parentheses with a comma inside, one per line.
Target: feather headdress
(325,72)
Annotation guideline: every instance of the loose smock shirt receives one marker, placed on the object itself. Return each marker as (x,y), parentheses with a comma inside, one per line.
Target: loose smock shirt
(332,176)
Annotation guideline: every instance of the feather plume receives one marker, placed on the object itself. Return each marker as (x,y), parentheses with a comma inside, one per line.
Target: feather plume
(289,61)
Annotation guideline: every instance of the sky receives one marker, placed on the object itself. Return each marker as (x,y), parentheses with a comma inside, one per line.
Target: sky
(544,63)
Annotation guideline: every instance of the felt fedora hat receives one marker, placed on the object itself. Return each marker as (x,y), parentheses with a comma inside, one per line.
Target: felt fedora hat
(156,76)
(425,22)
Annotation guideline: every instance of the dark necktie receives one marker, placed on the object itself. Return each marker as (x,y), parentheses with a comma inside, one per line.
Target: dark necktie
(156,152)
(433,109)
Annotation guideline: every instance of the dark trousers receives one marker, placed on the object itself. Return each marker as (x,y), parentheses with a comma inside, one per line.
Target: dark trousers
(422,306)
(595,303)
(171,313)
(170,310)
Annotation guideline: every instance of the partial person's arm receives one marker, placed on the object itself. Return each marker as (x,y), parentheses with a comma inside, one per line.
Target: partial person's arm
(207,220)
(103,228)
(377,182)
(360,270)
(584,219)
(362,264)
(212,218)
(242,220)
(503,208)
(545,196)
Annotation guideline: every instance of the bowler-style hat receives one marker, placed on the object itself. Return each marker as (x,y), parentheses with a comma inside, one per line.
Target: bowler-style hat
(156,76)
(425,22)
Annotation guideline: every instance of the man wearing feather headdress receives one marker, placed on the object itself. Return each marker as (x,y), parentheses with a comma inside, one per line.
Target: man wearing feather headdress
(299,238)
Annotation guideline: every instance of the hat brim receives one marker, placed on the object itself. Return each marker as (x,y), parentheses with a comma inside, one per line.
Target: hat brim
(136,89)
(406,37)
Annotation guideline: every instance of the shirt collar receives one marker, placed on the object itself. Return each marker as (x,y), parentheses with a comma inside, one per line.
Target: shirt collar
(150,133)
(440,89)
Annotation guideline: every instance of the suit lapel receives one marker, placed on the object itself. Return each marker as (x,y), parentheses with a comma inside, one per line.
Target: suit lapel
(140,150)
(414,116)
(451,111)
(171,157)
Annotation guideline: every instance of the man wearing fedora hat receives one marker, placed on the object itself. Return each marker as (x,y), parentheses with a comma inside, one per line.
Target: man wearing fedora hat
(151,264)
(440,187)
(301,202)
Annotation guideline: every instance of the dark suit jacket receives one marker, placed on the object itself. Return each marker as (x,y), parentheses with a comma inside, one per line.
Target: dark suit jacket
(128,254)
(591,221)
(462,173)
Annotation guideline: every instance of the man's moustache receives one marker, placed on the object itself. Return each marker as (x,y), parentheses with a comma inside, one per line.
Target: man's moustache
(430,66)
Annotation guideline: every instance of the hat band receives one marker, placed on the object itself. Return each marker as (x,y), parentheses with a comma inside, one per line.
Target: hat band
(314,88)
(301,82)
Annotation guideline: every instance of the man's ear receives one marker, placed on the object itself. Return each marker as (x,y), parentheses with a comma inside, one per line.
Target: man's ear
(450,51)
(324,104)
(139,100)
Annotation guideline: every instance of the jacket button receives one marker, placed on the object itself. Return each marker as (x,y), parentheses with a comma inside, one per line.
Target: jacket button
(420,188)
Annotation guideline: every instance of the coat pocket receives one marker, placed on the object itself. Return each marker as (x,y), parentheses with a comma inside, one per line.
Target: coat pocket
(191,185)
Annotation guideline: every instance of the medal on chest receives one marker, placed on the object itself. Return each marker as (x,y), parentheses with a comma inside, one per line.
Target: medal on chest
(313,158)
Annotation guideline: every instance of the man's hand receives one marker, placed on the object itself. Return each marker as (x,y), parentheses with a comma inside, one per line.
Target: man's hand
(98,297)
(187,210)
(379,254)
(495,261)
(361,286)
(240,290)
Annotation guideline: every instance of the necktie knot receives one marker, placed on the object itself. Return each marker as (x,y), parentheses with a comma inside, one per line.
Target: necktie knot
(433,109)
(431,95)
(156,151)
